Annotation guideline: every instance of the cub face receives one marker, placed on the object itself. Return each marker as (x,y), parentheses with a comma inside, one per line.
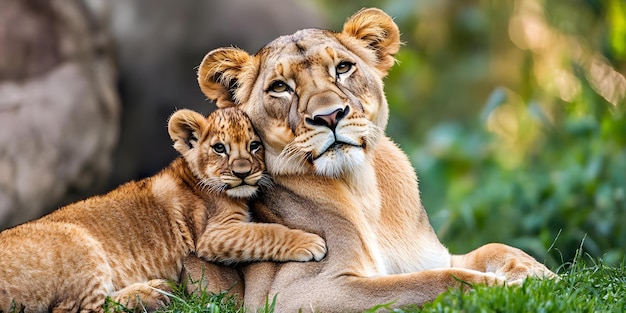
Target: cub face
(223,150)
(316,96)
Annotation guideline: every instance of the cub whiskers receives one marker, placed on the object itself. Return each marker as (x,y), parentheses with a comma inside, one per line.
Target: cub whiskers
(266,183)
(212,185)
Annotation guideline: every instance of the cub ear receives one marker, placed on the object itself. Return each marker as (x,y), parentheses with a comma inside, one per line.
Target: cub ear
(222,74)
(185,127)
(378,32)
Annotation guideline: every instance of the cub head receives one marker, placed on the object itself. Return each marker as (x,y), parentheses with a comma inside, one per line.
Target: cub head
(223,150)
(316,96)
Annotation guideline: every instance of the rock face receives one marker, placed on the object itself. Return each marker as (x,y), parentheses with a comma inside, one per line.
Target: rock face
(59,108)
(63,64)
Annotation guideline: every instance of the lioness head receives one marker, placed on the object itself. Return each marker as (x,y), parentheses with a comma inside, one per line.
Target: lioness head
(316,96)
(223,151)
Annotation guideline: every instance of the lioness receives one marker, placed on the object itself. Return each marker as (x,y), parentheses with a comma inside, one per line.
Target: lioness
(127,243)
(317,99)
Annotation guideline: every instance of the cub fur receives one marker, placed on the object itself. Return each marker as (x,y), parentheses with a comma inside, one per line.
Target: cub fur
(317,99)
(128,243)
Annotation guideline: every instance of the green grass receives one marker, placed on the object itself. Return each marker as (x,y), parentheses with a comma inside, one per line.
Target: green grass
(583,287)
(595,288)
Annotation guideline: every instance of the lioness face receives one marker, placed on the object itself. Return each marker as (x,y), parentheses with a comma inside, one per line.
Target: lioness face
(316,96)
(223,151)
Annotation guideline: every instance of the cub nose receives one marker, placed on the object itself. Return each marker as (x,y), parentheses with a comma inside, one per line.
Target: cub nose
(329,120)
(241,168)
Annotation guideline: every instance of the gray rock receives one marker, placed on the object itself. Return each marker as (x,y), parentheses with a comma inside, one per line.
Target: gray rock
(63,64)
(59,108)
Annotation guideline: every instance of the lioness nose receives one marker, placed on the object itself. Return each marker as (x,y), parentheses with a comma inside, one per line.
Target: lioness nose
(241,168)
(329,120)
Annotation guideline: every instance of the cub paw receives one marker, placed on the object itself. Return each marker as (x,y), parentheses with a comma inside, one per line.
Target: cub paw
(311,247)
(148,296)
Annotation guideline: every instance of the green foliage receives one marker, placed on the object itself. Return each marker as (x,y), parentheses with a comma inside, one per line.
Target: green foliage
(569,180)
(513,115)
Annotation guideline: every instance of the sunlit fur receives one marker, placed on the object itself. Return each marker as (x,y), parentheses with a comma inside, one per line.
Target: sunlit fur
(317,100)
(129,243)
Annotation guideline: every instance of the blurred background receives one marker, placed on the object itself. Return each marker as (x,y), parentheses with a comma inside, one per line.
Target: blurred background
(512,112)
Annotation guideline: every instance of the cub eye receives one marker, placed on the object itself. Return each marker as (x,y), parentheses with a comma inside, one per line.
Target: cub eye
(343,67)
(219,148)
(279,86)
(255,145)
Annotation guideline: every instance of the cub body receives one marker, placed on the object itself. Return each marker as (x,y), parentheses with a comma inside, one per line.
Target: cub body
(126,244)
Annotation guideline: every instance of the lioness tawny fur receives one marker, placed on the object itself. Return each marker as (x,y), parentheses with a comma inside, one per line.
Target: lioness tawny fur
(317,99)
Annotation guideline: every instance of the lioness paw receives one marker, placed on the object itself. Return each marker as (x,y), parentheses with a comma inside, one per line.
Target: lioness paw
(311,247)
(505,261)
(518,269)
(487,279)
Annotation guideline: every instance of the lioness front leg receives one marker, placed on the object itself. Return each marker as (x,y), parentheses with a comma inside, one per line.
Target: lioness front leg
(503,260)
(242,241)
(353,293)
(199,276)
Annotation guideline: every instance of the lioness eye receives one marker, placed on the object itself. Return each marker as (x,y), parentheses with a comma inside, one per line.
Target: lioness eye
(219,148)
(343,67)
(255,145)
(279,86)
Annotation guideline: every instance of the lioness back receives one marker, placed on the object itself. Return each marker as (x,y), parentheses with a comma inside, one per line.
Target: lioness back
(128,243)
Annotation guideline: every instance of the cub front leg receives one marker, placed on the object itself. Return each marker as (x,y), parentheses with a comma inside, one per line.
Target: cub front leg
(148,296)
(504,261)
(239,241)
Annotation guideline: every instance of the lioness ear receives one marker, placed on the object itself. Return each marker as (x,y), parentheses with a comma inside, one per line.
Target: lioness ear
(222,73)
(185,127)
(378,32)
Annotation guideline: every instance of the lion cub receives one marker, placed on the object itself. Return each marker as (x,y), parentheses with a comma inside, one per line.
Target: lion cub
(128,243)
